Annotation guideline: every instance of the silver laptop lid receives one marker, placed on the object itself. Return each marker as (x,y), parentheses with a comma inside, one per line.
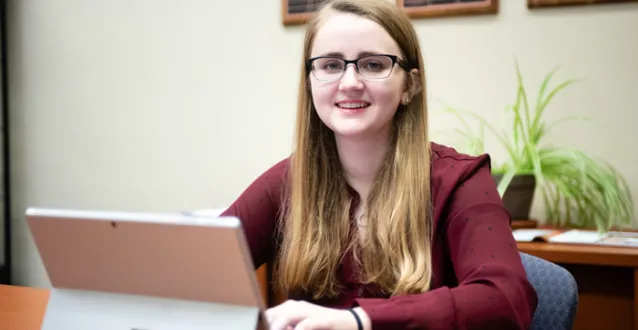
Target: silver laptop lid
(107,257)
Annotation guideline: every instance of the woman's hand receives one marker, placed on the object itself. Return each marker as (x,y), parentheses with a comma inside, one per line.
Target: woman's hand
(301,315)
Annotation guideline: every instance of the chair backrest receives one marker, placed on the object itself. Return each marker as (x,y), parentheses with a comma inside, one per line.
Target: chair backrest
(557,294)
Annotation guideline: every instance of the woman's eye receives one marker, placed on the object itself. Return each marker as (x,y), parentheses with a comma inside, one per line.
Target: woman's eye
(332,66)
(373,66)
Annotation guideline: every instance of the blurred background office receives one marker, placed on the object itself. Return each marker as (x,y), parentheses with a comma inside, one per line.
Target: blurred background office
(168,105)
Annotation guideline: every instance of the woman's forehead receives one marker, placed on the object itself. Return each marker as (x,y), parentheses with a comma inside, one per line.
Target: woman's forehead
(351,36)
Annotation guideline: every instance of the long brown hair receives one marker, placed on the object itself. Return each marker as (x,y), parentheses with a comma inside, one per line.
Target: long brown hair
(394,251)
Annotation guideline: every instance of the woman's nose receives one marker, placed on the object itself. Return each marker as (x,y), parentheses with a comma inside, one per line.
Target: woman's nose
(350,79)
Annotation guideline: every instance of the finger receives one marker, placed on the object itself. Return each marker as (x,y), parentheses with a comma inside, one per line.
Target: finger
(282,323)
(285,315)
(274,313)
(314,323)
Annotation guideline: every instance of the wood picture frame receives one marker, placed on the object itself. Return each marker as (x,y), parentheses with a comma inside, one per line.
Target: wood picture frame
(297,12)
(446,8)
(564,3)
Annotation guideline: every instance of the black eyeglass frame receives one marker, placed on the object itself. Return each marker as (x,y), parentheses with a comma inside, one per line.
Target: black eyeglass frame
(395,60)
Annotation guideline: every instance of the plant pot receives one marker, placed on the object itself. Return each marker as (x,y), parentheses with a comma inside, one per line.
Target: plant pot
(519,195)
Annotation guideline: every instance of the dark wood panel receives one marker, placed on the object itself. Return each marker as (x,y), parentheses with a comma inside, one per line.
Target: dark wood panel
(605,297)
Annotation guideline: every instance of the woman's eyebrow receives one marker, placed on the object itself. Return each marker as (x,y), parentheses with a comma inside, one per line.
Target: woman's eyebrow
(360,54)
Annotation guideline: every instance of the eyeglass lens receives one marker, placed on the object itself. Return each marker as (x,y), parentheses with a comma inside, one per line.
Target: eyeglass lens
(332,68)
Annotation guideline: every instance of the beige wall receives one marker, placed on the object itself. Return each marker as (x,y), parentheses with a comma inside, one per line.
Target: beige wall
(171,105)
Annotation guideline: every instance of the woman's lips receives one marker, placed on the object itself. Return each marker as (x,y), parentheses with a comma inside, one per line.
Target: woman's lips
(352,106)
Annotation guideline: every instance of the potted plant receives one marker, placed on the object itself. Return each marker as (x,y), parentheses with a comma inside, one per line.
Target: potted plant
(578,191)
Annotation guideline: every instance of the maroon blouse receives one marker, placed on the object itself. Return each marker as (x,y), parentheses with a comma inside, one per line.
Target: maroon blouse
(478,278)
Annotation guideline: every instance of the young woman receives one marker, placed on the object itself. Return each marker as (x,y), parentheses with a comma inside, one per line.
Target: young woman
(369,224)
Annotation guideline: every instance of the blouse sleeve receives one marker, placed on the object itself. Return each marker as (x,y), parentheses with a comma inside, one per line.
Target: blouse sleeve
(257,208)
(493,291)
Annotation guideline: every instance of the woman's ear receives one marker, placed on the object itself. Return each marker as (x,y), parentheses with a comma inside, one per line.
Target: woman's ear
(414,79)
(412,87)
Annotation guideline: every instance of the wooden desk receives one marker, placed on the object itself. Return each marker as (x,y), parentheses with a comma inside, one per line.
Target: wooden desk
(607,280)
(23,308)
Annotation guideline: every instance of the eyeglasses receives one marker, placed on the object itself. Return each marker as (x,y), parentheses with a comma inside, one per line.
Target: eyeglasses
(330,68)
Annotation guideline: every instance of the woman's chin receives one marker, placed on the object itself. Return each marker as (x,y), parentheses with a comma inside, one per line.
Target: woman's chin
(349,130)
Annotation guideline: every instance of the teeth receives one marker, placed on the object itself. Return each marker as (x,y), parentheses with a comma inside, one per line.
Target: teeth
(353,105)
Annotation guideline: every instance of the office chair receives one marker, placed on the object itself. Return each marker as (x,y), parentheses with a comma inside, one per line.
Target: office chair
(557,294)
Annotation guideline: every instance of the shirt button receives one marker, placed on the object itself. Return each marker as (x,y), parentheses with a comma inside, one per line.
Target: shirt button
(360,292)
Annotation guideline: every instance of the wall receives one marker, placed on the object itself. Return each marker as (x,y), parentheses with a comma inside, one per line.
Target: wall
(172,105)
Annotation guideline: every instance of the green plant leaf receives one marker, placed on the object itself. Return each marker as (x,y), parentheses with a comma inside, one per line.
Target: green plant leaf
(505,181)
(577,190)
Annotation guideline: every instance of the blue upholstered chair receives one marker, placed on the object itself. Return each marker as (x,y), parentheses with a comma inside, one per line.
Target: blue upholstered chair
(557,294)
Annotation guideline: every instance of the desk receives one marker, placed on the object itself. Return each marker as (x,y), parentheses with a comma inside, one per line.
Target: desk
(607,280)
(23,308)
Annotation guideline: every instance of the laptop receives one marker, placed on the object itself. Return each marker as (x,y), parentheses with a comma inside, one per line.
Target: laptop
(145,271)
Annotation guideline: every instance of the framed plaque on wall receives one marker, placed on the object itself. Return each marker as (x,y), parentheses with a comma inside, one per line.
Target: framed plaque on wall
(562,3)
(444,8)
(297,12)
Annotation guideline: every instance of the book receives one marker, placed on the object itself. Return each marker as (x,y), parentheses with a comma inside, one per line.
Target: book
(577,236)
(535,235)
(616,238)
